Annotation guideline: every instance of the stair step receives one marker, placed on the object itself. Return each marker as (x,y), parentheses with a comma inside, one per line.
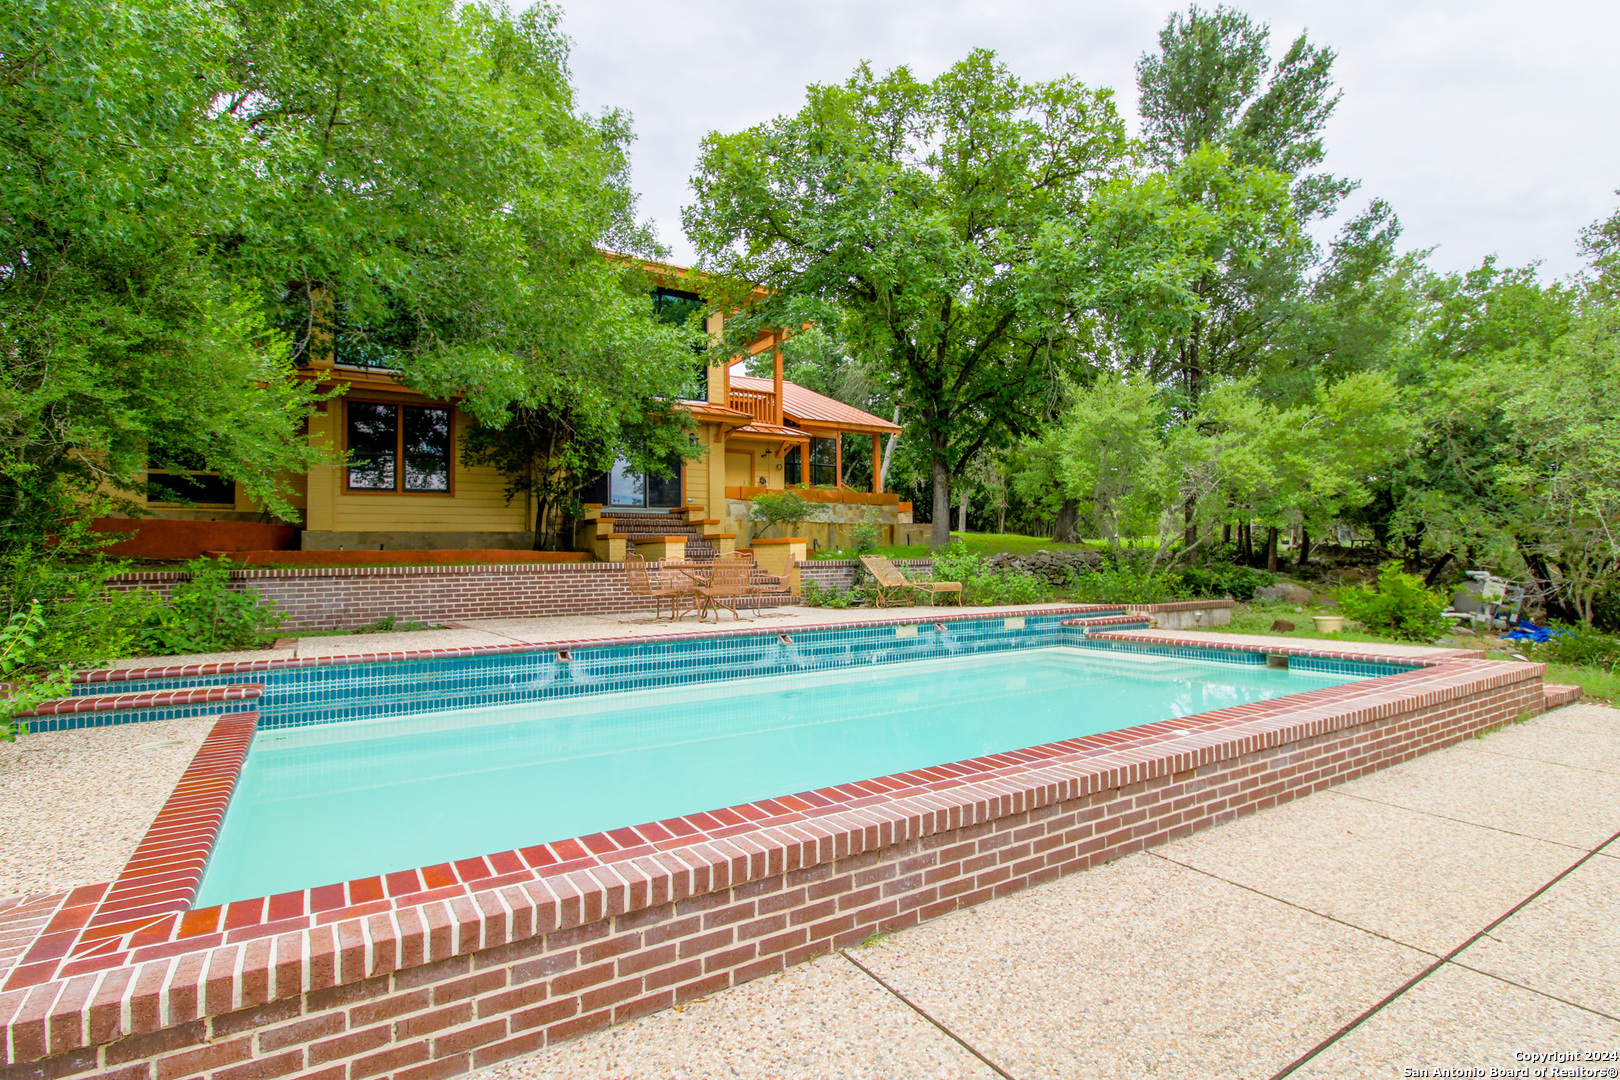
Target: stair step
(1556,694)
(146,699)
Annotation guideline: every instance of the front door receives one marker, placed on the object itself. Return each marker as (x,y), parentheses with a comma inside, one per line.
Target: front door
(739,468)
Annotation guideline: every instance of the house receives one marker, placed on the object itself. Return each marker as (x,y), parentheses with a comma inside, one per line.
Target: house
(405,486)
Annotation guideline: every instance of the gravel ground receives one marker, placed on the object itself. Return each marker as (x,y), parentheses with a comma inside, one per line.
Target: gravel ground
(76,803)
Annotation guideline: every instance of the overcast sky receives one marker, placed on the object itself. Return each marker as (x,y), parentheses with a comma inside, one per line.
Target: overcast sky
(1488,124)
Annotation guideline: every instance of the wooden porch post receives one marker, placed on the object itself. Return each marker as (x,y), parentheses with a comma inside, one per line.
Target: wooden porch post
(877,463)
(839,458)
(776,357)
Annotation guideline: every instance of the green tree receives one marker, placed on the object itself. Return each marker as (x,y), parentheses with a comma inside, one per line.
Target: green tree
(1213,83)
(197,194)
(967,232)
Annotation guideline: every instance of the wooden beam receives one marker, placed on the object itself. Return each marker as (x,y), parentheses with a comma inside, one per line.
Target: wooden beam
(877,464)
(839,458)
(776,375)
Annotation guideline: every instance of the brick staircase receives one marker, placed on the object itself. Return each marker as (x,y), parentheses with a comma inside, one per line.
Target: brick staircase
(642,524)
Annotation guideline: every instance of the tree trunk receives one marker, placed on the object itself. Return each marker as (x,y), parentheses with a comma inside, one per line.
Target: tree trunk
(962,519)
(1271,549)
(1189,524)
(940,533)
(1541,577)
(1066,530)
(1246,542)
(1226,534)
(1304,545)
(1433,575)
(888,452)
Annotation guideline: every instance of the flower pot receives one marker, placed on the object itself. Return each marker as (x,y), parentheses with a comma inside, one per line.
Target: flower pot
(1328,624)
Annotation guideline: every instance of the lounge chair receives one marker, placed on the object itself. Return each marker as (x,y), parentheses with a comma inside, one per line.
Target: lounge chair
(728,582)
(891,582)
(646,581)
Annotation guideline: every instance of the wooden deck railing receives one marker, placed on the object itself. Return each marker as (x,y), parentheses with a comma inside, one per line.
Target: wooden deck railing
(756,403)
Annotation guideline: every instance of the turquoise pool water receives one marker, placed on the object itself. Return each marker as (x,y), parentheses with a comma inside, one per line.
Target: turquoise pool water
(327,803)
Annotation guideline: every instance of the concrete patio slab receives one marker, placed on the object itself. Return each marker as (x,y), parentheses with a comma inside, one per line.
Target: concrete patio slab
(1140,968)
(1529,796)
(77,802)
(818,1020)
(1456,1019)
(1421,880)
(1579,736)
(1565,943)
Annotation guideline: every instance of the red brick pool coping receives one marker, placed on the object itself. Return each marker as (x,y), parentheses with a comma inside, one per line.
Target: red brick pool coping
(95,971)
(236,667)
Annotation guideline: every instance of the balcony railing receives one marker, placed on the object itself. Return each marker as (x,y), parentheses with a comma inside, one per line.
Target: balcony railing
(756,403)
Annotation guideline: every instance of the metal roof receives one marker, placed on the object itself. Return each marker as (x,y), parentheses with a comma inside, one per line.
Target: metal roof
(807,405)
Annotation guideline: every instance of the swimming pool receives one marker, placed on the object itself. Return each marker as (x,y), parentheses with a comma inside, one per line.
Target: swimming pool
(331,802)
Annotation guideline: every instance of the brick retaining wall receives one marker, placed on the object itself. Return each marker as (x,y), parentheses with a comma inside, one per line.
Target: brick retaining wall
(838,573)
(443,982)
(336,598)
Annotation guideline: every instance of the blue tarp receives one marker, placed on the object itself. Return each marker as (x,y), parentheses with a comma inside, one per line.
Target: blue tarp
(1529,631)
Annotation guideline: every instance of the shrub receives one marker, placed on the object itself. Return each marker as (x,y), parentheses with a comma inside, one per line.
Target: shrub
(1581,646)
(779,507)
(19,639)
(1224,579)
(1398,604)
(815,595)
(984,586)
(207,615)
(1124,582)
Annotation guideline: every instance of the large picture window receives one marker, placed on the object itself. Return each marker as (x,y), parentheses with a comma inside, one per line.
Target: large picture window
(630,488)
(398,447)
(181,478)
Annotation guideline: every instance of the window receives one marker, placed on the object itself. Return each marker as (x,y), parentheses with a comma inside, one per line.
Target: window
(678,309)
(824,462)
(182,478)
(823,471)
(629,488)
(382,436)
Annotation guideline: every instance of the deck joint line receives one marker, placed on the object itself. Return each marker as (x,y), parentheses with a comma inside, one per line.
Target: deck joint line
(1450,957)
(1457,820)
(920,1011)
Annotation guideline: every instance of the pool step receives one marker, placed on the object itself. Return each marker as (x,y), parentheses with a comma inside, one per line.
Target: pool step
(146,699)
(1556,694)
(1110,620)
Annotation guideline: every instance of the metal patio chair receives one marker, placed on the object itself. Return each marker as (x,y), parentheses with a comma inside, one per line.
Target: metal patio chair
(650,581)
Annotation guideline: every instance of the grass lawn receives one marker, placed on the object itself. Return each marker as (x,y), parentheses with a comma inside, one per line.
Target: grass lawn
(985,544)
(1597,684)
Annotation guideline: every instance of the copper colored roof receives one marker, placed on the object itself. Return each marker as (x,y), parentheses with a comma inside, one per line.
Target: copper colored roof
(759,427)
(807,405)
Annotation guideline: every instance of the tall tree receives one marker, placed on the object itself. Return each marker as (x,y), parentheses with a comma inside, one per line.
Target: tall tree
(194,193)
(958,227)
(1213,82)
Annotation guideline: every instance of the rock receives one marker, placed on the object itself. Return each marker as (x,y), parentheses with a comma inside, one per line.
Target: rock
(1285,591)
(1283,626)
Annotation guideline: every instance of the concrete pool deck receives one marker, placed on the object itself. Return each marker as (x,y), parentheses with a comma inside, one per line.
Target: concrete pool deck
(1374,927)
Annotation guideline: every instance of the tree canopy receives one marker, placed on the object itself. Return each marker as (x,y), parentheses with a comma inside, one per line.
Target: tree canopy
(197,194)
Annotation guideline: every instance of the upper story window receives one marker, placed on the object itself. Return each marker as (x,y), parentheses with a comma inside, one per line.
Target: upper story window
(182,478)
(678,309)
(397,447)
